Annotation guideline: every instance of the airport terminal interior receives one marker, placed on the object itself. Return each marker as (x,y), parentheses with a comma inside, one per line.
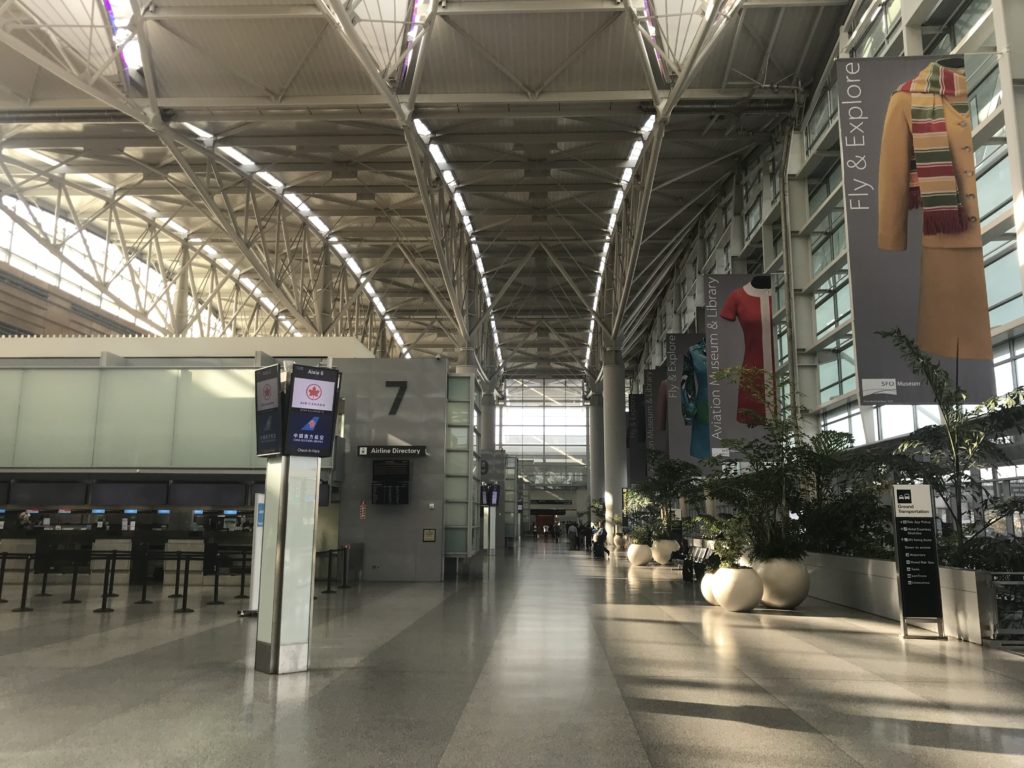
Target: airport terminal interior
(455,383)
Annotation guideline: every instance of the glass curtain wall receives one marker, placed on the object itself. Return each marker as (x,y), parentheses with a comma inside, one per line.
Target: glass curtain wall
(543,422)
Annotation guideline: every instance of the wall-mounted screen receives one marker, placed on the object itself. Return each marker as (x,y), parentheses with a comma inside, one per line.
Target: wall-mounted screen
(490,495)
(390,483)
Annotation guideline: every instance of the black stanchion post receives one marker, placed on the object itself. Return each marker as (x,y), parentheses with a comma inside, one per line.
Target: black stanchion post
(3,574)
(177,574)
(330,573)
(104,608)
(24,587)
(74,584)
(46,578)
(216,583)
(113,569)
(145,578)
(344,568)
(184,597)
(241,589)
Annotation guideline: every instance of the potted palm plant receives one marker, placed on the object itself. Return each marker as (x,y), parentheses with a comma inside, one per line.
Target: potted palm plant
(641,538)
(762,482)
(668,480)
(727,581)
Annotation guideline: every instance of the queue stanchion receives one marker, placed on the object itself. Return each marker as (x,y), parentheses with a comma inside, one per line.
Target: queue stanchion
(330,573)
(23,608)
(216,583)
(344,567)
(46,578)
(241,587)
(113,569)
(3,574)
(145,579)
(184,596)
(177,574)
(74,584)
(104,608)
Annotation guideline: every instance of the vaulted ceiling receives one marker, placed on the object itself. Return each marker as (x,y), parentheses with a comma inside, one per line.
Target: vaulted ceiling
(507,182)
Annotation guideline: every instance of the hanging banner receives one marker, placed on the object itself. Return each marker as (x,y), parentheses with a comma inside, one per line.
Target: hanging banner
(739,333)
(917,555)
(913,224)
(686,371)
(636,440)
(657,440)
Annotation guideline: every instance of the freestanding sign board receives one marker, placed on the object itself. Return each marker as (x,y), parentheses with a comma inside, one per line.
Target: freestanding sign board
(917,556)
(312,408)
(268,411)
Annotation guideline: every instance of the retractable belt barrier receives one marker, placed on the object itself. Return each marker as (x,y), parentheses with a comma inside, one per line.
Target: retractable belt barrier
(110,560)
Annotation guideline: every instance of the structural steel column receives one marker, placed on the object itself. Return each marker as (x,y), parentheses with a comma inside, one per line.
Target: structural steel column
(1008,19)
(614,437)
(595,443)
(488,420)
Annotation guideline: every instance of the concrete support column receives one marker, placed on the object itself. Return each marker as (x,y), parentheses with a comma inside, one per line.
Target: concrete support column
(595,444)
(614,392)
(488,421)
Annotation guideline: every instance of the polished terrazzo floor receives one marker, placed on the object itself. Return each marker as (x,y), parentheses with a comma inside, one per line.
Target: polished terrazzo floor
(551,660)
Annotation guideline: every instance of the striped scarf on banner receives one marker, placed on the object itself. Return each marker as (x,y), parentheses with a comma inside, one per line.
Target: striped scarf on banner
(932,183)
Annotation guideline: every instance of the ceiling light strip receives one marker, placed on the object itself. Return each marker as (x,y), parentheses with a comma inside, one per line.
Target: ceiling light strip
(620,196)
(247,165)
(437,153)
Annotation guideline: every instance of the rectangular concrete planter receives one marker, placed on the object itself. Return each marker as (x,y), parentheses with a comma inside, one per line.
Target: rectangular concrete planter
(869,585)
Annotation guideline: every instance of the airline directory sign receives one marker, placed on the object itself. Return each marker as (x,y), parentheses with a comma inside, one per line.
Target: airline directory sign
(312,407)
(269,424)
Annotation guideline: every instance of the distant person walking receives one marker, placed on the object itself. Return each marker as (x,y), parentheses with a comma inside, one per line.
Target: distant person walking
(600,543)
(572,534)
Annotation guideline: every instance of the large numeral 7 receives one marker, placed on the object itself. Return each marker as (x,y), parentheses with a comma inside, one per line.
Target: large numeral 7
(401,386)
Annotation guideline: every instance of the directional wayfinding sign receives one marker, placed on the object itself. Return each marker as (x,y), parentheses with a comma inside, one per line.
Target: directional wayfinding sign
(312,407)
(917,556)
(269,423)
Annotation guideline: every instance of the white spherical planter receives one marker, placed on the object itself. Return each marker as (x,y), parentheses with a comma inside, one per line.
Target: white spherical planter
(786,583)
(662,550)
(737,589)
(618,540)
(638,554)
(707,588)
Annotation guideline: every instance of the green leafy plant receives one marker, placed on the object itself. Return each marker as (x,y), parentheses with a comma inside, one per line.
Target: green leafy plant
(761,482)
(948,455)
(642,533)
(840,510)
(668,480)
(730,536)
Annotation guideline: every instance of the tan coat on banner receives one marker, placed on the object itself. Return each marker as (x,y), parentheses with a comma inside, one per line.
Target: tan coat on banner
(952,315)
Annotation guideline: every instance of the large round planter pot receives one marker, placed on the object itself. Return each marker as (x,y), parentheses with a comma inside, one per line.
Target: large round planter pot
(737,589)
(786,583)
(638,554)
(663,549)
(618,540)
(707,588)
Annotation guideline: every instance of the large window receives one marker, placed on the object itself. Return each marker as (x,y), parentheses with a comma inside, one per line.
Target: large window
(836,370)
(544,423)
(832,304)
